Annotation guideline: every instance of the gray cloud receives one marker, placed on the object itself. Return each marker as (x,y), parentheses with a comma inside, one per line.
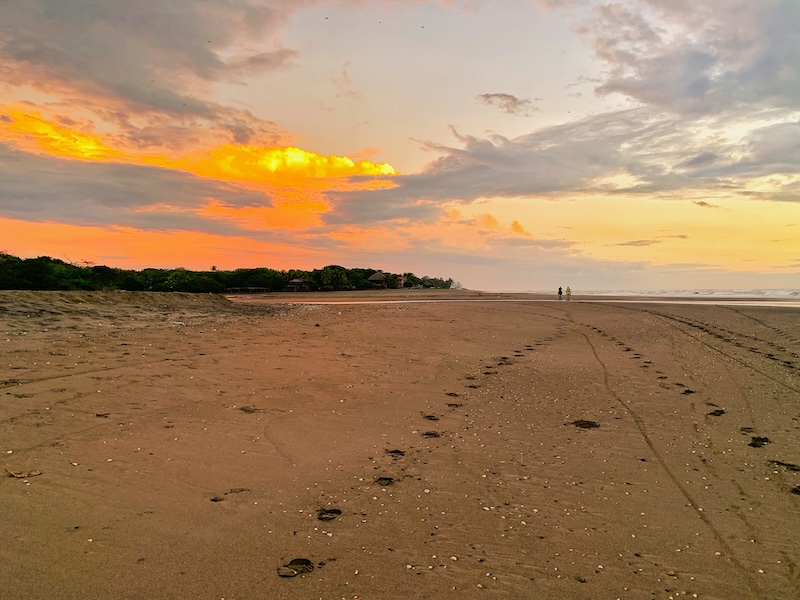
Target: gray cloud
(509,104)
(701,160)
(703,56)
(555,159)
(36,188)
(117,45)
(149,57)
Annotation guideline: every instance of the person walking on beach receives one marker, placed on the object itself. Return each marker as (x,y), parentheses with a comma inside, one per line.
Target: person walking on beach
(559,292)
(569,293)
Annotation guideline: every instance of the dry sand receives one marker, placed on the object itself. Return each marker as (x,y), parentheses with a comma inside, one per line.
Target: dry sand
(480,449)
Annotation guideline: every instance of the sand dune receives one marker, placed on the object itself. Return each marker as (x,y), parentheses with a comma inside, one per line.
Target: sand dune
(191,447)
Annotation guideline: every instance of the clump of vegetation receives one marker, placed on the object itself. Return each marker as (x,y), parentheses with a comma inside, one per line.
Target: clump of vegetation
(45,273)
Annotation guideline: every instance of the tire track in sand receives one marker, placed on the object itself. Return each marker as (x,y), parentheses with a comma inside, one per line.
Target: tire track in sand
(640,426)
(671,320)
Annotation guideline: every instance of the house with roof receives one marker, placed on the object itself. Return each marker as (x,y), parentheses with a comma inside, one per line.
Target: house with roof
(381,280)
(297,285)
(377,279)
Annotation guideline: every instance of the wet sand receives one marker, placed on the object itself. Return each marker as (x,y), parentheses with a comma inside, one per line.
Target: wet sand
(177,446)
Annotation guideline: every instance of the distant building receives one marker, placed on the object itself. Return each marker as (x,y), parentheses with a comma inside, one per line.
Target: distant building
(386,280)
(297,285)
(377,278)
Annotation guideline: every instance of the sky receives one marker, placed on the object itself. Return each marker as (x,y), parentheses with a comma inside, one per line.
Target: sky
(506,144)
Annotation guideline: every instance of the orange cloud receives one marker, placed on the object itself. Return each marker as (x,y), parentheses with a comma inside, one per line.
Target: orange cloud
(395,238)
(519,229)
(33,133)
(294,215)
(489,222)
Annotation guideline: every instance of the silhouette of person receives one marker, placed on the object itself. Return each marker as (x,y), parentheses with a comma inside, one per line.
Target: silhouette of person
(559,292)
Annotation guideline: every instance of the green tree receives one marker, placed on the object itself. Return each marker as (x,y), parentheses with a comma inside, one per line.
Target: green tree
(411,280)
(359,278)
(104,278)
(9,268)
(333,277)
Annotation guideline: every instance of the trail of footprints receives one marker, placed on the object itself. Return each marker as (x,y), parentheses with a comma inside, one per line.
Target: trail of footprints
(756,441)
(400,464)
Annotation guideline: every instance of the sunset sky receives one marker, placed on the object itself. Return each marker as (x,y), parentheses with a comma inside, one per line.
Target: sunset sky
(508,144)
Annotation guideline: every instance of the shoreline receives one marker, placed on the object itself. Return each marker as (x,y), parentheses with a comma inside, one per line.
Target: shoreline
(400,296)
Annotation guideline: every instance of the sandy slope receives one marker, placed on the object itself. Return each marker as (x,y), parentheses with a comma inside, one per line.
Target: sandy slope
(186,443)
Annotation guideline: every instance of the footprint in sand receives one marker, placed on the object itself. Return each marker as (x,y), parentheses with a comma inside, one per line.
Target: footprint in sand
(789,466)
(584,424)
(328,514)
(759,441)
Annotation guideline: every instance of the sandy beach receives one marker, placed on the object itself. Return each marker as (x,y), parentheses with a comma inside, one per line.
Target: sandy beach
(178,446)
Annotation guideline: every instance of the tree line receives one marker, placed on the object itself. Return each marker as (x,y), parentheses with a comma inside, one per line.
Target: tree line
(46,273)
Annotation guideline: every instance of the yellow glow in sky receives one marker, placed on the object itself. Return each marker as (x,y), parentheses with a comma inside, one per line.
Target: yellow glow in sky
(277,166)
(32,132)
(730,233)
